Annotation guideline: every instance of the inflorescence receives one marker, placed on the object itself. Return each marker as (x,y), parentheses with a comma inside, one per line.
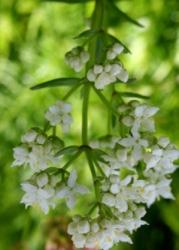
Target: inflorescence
(131,170)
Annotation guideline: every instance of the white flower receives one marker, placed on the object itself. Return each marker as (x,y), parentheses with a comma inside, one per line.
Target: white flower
(39,194)
(70,190)
(162,159)
(37,153)
(79,240)
(83,227)
(60,113)
(105,75)
(150,190)
(163,142)
(77,58)
(21,156)
(139,117)
(41,157)
(29,137)
(104,79)
(137,146)
(114,51)
(143,119)
(163,189)
(123,75)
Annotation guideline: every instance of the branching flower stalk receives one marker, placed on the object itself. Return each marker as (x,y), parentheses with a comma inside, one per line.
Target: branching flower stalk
(130,167)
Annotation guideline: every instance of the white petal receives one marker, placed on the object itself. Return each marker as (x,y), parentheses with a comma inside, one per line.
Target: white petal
(79,240)
(81,189)
(83,227)
(163,142)
(46,194)
(91,76)
(114,188)
(123,75)
(115,69)
(98,69)
(150,111)
(29,188)
(72,178)
(42,179)
(72,228)
(128,121)
(118,48)
(44,206)
(127,142)
(70,200)
(121,204)
(104,79)
(123,238)
(62,192)
(139,110)
(137,152)
(109,199)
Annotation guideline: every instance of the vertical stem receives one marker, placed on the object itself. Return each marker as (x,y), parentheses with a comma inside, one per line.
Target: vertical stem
(96,24)
(86,91)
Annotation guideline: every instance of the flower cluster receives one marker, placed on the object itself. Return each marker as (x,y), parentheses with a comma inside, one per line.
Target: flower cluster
(136,171)
(103,233)
(138,117)
(130,172)
(44,190)
(110,72)
(36,151)
(40,191)
(60,113)
(77,58)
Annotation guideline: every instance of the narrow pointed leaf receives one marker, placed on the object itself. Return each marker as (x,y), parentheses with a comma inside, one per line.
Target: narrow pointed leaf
(68,150)
(87,34)
(131,94)
(58,82)
(116,40)
(68,1)
(124,16)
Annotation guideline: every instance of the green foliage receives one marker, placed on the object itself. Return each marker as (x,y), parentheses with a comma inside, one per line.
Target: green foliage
(34,38)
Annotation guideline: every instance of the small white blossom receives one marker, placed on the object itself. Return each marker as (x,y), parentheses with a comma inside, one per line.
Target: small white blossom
(30,136)
(139,117)
(60,113)
(77,58)
(39,193)
(114,51)
(38,153)
(105,75)
(137,146)
(41,157)
(70,190)
(21,155)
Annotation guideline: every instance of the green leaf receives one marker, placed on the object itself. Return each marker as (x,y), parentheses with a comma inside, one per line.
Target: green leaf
(131,94)
(59,82)
(67,150)
(68,1)
(87,34)
(116,40)
(124,16)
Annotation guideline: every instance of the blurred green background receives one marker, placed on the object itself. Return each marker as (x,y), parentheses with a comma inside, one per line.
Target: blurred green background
(34,35)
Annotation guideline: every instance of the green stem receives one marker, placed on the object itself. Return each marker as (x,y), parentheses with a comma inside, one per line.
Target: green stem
(71,91)
(99,168)
(96,24)
(93,173)
(54,130)
(74,157)
(86,92)
(105,101)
